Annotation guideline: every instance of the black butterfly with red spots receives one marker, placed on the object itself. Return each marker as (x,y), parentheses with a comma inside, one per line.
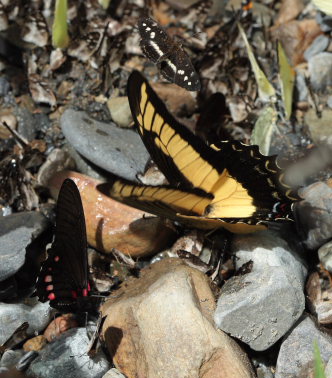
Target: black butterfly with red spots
(63,279)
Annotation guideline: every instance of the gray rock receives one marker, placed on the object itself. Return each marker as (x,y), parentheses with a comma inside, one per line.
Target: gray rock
(320,70)
(325,256)
(66,357)
(26,123)
(329,102)
(313,214)
(113,373)
(296,355)
(260,307)
(274,284)
(4,86)
(324,21)
(328,369)
(320,127)
(267,250)
(13,315)
(181,4)
(301,86)
(10,358)
(263,368)
(58,160)
(319,44)
(83,165)
(119,151)
(17,231)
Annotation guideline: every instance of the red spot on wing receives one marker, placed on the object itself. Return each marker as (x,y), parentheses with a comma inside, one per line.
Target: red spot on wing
(51,296)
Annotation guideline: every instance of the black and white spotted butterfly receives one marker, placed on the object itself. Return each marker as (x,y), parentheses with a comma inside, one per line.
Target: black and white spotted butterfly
(174,64)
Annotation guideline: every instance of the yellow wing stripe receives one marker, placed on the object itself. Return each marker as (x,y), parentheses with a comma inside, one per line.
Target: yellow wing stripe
(176,199)
(184,156)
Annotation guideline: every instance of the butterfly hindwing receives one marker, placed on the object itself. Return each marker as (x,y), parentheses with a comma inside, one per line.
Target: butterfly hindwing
(179,69)
(175,204)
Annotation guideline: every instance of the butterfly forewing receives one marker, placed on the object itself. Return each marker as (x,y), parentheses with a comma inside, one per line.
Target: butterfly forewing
(155,42)
(70,237)
(171,145)
(64,275)
(172,60)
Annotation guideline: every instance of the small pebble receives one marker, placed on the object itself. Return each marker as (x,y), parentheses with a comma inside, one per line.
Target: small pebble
(59,325)
(120,111)
(35,344)
(319,44)
(320,71)
(325,256)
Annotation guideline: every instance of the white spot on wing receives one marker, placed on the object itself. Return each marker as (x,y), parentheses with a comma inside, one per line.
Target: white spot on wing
(147,29)
(152,35)
(185,78)
(156,48)
(173,67)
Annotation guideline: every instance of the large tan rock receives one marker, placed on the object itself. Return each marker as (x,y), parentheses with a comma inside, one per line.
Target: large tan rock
(161,325)
(110,224)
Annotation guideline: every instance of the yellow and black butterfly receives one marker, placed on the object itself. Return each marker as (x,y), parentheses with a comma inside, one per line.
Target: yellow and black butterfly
(230,185)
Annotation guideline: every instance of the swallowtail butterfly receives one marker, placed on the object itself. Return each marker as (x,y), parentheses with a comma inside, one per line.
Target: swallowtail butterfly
(63,279)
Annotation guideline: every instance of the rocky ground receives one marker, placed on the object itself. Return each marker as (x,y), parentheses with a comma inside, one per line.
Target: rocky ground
(181,302)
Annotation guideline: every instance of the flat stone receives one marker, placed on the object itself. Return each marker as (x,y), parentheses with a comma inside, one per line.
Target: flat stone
(17,231)
(267,249)
(260,307)
(313,214)
(318,45)
(12,315)
(119,151)
(296,355)
(320,127)
(320,71)
(66,357)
